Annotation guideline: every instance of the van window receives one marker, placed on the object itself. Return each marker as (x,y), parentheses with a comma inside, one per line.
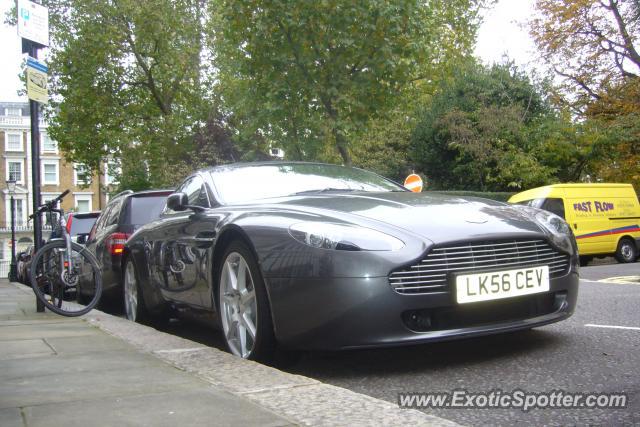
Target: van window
(555,206)
(552,205)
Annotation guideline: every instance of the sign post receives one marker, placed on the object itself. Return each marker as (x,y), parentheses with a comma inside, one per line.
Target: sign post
(37,81)
(414,183)
(33,27)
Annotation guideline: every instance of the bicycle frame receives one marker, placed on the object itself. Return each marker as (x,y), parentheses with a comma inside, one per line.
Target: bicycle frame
(66,259)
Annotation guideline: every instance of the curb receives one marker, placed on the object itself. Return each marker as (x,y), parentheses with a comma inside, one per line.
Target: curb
(302,400)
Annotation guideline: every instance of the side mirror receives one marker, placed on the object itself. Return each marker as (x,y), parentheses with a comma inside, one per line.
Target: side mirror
(82,238)
(178,201)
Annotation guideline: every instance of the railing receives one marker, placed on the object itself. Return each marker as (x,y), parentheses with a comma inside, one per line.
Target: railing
(23,228)
(21,121)
(5,265)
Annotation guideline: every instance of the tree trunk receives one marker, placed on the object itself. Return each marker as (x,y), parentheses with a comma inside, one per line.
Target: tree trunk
(341,145)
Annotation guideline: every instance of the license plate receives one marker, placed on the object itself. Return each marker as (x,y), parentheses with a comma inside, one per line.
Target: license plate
(501,284)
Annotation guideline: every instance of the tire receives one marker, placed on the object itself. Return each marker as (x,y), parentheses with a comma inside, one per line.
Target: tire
(52,291)
(585,260)
(133,302)
(243,310)
(627,251)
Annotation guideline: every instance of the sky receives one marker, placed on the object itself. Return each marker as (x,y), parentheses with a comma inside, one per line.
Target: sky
(501,34)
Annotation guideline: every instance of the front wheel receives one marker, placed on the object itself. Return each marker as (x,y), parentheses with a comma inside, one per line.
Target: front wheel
(55,277)
(243,306)
(627,251)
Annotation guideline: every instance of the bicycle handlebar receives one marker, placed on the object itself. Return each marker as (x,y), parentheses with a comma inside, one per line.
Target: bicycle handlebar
(47,206)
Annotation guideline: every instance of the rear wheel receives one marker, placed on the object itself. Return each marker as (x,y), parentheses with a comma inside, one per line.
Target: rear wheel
(134,307)
(243,305)
(627,251)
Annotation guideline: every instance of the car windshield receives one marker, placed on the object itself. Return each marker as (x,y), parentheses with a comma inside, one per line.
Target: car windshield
(82,225)
(253,182)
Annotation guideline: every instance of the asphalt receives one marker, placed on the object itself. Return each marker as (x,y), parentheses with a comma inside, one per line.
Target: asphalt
(101,370)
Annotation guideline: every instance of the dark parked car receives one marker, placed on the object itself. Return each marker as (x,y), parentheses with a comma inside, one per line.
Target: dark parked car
(79,225)
(316,256)
(125,213)
(24,264)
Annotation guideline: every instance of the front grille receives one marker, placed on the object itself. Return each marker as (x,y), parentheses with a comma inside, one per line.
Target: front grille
(432,273)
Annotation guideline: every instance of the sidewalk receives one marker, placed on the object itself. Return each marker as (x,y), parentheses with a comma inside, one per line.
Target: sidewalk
(62,371)
(101,370)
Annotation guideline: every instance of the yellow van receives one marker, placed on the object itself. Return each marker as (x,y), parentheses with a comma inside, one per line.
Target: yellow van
(605,218)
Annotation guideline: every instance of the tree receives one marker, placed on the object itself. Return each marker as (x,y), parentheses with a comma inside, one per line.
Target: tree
(318,72)
(129,80)
(488,129)
(594,47)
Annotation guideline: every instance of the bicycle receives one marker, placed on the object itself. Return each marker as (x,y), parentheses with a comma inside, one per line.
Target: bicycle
(60,265)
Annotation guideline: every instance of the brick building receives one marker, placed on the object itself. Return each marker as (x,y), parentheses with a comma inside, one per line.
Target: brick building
(56,175)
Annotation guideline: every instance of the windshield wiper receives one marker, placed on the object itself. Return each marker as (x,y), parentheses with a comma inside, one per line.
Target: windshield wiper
(326,190)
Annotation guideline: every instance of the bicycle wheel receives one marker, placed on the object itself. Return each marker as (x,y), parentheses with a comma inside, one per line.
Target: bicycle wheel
(56,287)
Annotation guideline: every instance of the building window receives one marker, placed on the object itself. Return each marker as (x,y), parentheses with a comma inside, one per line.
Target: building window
(50,172)
(48,144)
(19,212)
(13,142)
(111,171)
(14,171)
(13,111)
(82,174)
(83,203)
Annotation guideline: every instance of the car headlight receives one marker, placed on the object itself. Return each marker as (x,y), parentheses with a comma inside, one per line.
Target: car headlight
(556,227)
(343,237)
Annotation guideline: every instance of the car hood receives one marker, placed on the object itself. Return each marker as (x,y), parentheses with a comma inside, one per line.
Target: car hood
(438,218)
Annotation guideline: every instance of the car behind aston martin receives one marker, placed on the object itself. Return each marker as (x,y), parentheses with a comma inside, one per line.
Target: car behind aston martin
(125,213)
(316,256)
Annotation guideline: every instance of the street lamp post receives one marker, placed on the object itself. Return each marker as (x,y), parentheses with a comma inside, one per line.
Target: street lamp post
(11,187)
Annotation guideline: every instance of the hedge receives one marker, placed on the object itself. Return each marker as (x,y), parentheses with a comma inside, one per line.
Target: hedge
(499,196)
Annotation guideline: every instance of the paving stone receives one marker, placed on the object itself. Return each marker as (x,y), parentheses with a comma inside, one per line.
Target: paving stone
(19,349)
(75,364)
(11,417)
(46,330)
(183,408)
(55,387)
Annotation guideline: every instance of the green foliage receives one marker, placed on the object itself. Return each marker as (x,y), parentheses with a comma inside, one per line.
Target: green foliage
(127,80)
(384,146)
(498,196)
(311,75)
(491,128)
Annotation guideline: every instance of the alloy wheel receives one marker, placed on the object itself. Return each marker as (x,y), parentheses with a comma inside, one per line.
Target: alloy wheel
(238,305)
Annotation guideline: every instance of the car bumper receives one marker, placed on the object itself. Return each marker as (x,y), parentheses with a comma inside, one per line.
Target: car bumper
(344,313)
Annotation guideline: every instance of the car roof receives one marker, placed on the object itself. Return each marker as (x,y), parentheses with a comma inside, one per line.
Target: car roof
(143,193)
(153,192)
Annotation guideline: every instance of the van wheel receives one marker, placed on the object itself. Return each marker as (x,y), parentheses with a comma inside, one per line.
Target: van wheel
(627,251)
(585,260)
